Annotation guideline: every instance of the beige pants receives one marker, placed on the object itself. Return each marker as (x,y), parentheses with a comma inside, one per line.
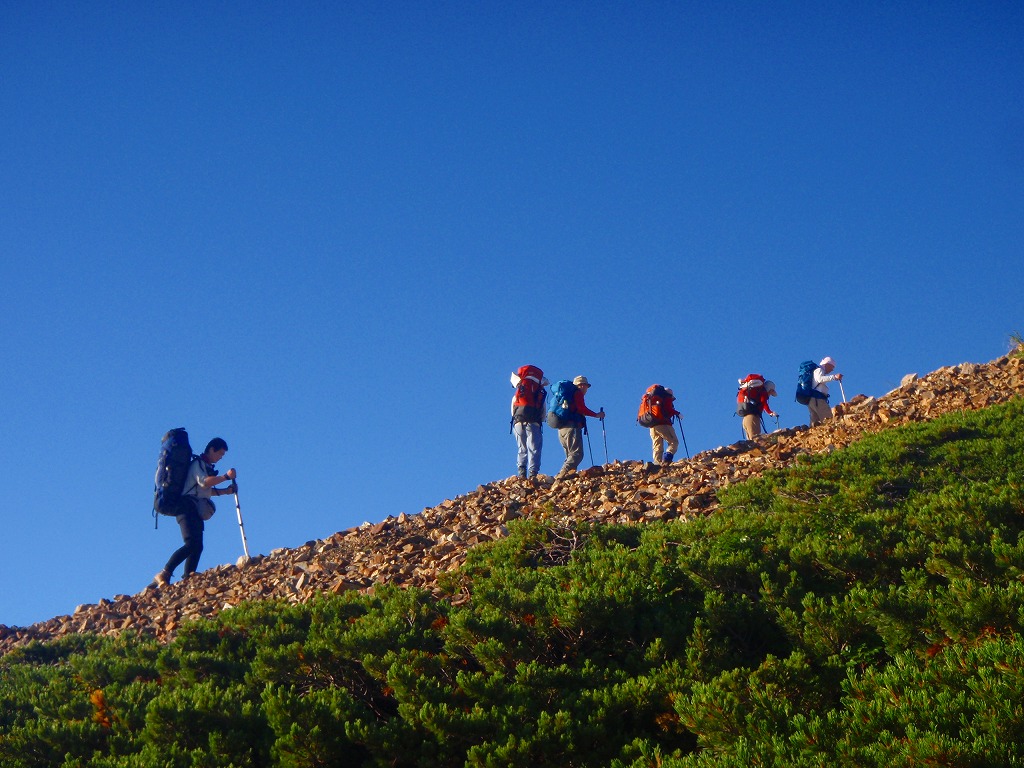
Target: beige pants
(819,409)
(752,425)
(663,440)
(571,439)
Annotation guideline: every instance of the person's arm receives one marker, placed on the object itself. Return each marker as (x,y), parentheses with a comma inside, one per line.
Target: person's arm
(581,406)
(212,480)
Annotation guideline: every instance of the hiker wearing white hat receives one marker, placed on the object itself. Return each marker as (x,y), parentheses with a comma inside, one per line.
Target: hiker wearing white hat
(818,405)
(657,412)
(528,413)
(752,401)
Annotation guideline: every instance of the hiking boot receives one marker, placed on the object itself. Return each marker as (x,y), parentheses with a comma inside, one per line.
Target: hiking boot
(162,579)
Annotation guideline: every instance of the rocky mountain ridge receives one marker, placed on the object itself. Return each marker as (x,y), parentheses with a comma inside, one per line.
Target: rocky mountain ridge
(412,550)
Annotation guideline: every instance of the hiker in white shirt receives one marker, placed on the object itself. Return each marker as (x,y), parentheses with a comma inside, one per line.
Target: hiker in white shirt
(818,406)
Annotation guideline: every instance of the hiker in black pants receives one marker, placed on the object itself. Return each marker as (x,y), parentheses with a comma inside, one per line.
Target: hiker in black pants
(199,487)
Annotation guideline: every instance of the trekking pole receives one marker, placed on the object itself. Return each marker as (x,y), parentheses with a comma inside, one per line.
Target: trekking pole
(241,527)
(842,390)
(604,434)
(683,435)
(590,447)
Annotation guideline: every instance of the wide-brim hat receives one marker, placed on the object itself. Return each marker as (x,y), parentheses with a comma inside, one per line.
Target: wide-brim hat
(581,381)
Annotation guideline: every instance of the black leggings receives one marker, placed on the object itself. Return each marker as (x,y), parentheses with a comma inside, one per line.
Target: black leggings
(192,534)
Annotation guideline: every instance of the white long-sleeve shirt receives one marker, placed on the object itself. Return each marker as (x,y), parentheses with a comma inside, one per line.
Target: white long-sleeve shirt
(821,379)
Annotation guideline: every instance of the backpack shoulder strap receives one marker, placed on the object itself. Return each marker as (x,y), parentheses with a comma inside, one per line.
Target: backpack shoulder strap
(189,472)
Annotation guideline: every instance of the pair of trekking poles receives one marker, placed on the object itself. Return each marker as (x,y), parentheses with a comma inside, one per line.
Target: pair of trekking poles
(604,435)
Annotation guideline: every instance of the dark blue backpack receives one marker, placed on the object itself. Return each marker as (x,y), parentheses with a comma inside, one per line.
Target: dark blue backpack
(562,413)
(171,470)
(805,390)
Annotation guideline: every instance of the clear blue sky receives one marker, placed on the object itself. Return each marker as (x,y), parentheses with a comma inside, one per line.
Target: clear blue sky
(328,232)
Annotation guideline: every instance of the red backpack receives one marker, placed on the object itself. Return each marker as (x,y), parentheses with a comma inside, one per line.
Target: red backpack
(656,407)
(528,401)
(748,396)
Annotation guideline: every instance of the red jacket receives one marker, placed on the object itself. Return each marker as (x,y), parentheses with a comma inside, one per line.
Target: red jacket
(760,397)
(581,407)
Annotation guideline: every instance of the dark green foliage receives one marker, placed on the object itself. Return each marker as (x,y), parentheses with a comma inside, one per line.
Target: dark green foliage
(862,609)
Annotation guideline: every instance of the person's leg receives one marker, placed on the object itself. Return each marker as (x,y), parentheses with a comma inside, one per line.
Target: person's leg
(671,443)
(176,559)
(575,447)
(751,425)
(657,444)
(664,443)
(521,432)
(572,444)
(192,532)
(534,443)
(186,523)
(820,410)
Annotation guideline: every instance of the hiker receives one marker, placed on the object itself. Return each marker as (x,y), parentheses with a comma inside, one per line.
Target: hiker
(199,487)
(528,412)
(752,401)
(657,411)
(818,405)
(568,416)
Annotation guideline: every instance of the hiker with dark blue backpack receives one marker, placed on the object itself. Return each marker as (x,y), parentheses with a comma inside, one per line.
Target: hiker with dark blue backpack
(812,388)
(197,507)
(568,415)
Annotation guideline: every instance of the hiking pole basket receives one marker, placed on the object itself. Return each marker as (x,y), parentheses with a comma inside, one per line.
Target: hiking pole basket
(241,527)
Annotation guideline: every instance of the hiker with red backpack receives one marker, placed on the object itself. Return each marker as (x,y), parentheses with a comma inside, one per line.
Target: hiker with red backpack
(657,412)
(752,401)
(568,415)
(528,412)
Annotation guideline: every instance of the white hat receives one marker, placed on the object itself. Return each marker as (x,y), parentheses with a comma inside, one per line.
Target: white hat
(769,387)
(827,361)
(581,381)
